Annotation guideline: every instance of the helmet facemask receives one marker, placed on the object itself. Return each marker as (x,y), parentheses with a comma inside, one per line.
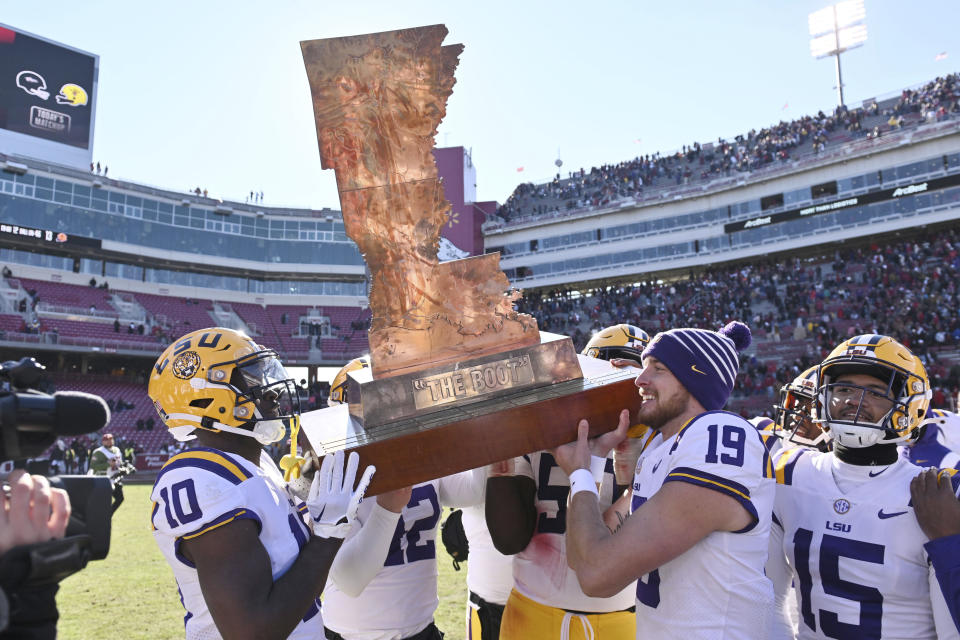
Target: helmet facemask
(866,407)
(267,398)
(618,341)
(794,421)
(611,352)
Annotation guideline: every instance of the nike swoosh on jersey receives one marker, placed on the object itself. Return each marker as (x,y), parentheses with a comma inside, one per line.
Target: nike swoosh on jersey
(874,475)
(694,367)
(657,466)
(884,516)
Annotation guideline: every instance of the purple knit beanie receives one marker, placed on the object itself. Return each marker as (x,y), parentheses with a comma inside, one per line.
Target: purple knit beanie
(705,362)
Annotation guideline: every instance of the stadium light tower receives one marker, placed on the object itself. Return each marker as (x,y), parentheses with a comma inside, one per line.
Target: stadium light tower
(836,29)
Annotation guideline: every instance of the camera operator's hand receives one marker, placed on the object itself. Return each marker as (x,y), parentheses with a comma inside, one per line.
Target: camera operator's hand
(32,511)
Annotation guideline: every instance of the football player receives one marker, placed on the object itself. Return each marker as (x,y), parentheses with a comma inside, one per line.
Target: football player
(338,386)
(526,512)
(245,562)
(702,499)
(793,423)
(622,345)
(844,530)
(383,584)
(489,577)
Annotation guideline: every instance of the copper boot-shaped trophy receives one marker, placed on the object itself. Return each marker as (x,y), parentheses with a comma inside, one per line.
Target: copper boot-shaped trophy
(458,378)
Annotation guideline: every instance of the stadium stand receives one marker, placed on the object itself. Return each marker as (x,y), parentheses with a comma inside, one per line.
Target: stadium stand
(799,309)
(646,176)
(176,316)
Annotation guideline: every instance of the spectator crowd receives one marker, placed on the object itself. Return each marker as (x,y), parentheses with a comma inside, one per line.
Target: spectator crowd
(782,142)
(798,308)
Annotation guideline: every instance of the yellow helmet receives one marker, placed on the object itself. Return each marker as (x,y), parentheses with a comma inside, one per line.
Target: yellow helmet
(902,374)
(618,341)
(793,417)
(219,379)
(338,388)
(72,94)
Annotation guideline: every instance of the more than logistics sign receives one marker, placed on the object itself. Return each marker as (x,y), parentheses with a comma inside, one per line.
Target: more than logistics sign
(843,203)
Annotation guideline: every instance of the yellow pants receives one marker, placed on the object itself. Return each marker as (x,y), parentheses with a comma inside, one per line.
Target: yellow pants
(483,619)
(524,619)
(473,624)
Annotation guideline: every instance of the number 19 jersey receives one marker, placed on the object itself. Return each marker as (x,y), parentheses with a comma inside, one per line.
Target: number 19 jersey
(717,588)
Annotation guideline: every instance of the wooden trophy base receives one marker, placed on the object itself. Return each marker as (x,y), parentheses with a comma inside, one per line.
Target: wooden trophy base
(465,436)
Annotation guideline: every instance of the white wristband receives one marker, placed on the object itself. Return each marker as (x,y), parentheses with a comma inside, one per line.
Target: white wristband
(582,480)
(597,466)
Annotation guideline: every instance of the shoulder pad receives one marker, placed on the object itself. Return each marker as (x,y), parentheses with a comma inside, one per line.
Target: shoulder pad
(785,463)
(208,460)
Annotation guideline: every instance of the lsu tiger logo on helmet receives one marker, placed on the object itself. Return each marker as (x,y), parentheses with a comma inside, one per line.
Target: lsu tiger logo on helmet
(219,379)
(72,94)
(186,364)
(888,411)
(617,341)
(338,387)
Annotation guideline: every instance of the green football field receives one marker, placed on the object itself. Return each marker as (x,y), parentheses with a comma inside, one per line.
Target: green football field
(131,594)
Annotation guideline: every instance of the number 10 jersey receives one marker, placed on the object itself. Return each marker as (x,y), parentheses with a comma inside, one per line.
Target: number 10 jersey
(201,489)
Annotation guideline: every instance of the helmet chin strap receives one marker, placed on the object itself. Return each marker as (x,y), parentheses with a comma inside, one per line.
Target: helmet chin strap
(265,432)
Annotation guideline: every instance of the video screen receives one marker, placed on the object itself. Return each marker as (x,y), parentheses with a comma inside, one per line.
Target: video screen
(46,90)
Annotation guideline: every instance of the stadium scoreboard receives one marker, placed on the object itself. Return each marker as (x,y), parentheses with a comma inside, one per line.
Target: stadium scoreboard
(47,99)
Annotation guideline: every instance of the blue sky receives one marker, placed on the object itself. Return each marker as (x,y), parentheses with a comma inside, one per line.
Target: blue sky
(213,93)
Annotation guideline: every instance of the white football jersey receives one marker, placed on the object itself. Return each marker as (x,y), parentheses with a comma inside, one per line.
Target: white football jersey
(401,599)
(949,432)
(855,549)
(201,489)
(489,572)
(940,444)
(540,571)
(717,588)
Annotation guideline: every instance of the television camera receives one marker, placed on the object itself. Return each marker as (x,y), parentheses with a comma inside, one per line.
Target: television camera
(30,422)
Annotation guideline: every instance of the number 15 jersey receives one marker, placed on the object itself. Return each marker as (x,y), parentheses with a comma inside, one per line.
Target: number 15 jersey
(717,588)
(852,541)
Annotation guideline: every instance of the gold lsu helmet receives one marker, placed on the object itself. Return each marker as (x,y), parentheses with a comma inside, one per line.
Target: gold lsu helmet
(219,379)
(907,391)
(338,388)
(617,341)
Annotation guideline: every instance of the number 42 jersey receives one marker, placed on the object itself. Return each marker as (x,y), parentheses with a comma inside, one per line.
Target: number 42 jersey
(854,549)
